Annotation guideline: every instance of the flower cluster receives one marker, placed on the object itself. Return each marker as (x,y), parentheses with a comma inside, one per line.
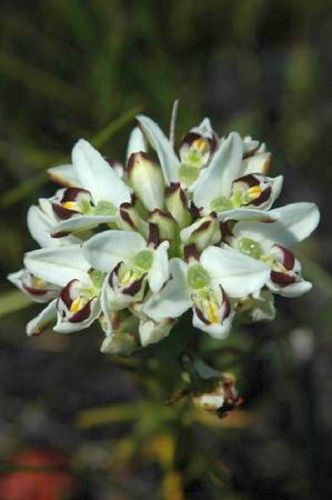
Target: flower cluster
(134,246)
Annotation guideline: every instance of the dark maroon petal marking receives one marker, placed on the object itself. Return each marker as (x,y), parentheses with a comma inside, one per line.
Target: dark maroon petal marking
(282,278)
(125,215)
(60,234)
(195,212)
(82,314)
(133,158)
(35,291)
(205,225)
(65,294)
(71,194)
(115,272)
(201,316)
(288,257)
(62,212)
(134,287)
(249,179)
(191,252)
(162,213)
(154,234)
(225,303)
(262,198)
(172,188)
(189,138)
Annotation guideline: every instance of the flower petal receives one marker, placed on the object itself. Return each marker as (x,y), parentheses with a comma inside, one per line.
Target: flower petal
(65,325)
(238,274)
(168,160)
(293,290)
(65,175)
(136,143)
(151,331)
(79,223)
(40,225)
(58,265)
(216,180)
(96,175)
(173,300)
(292,224)
(159,272)
(44,319)
(105,250)
(216,330)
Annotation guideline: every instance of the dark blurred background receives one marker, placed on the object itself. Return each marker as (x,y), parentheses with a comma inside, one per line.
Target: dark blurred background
(83,68)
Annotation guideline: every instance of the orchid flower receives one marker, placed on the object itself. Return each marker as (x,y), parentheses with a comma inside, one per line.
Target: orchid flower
(270,241)
(132,264)
(95,199)
(205,284)
(77,302)
(234,169)
(187,228)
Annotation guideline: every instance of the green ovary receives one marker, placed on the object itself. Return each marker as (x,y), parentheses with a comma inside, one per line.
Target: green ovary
(250,247)
(197,277)
(221,204)
(143,260)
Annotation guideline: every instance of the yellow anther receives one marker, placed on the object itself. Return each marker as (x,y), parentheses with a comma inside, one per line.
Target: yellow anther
(126,278)
(70,205)
(213,315)
(254,191)
(38,282)
(77,304)
(200,144)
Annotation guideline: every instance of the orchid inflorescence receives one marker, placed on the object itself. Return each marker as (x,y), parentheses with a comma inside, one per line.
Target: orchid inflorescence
(134,246)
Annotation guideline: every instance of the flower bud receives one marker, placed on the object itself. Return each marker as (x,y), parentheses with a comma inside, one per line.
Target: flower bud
(177,204)
(146,179)
(206,231)
(131,220)
(165,223)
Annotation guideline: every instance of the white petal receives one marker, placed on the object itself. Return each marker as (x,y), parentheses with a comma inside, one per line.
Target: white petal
(159,272)
(216,330)
(44,319)
(293,290)
(216,180)
(277,183)
(247,214)
(68,327)
(204,128)
(238,274)
(79,223)
(40,225)
(292,224)
(257,164)
(168,160)
(105,250)
(173,300)
(136,142)
(58,265)
(97,176)
(151,332)
(64,175)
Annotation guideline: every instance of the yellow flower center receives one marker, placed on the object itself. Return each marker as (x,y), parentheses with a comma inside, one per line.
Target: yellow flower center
(78,304)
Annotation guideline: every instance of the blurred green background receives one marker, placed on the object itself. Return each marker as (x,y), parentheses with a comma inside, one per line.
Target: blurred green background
(76,68)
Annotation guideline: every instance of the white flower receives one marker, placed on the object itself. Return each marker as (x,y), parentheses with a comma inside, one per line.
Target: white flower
(269,242)
(95,199)
(78,287)
(205,284)
(167,231)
